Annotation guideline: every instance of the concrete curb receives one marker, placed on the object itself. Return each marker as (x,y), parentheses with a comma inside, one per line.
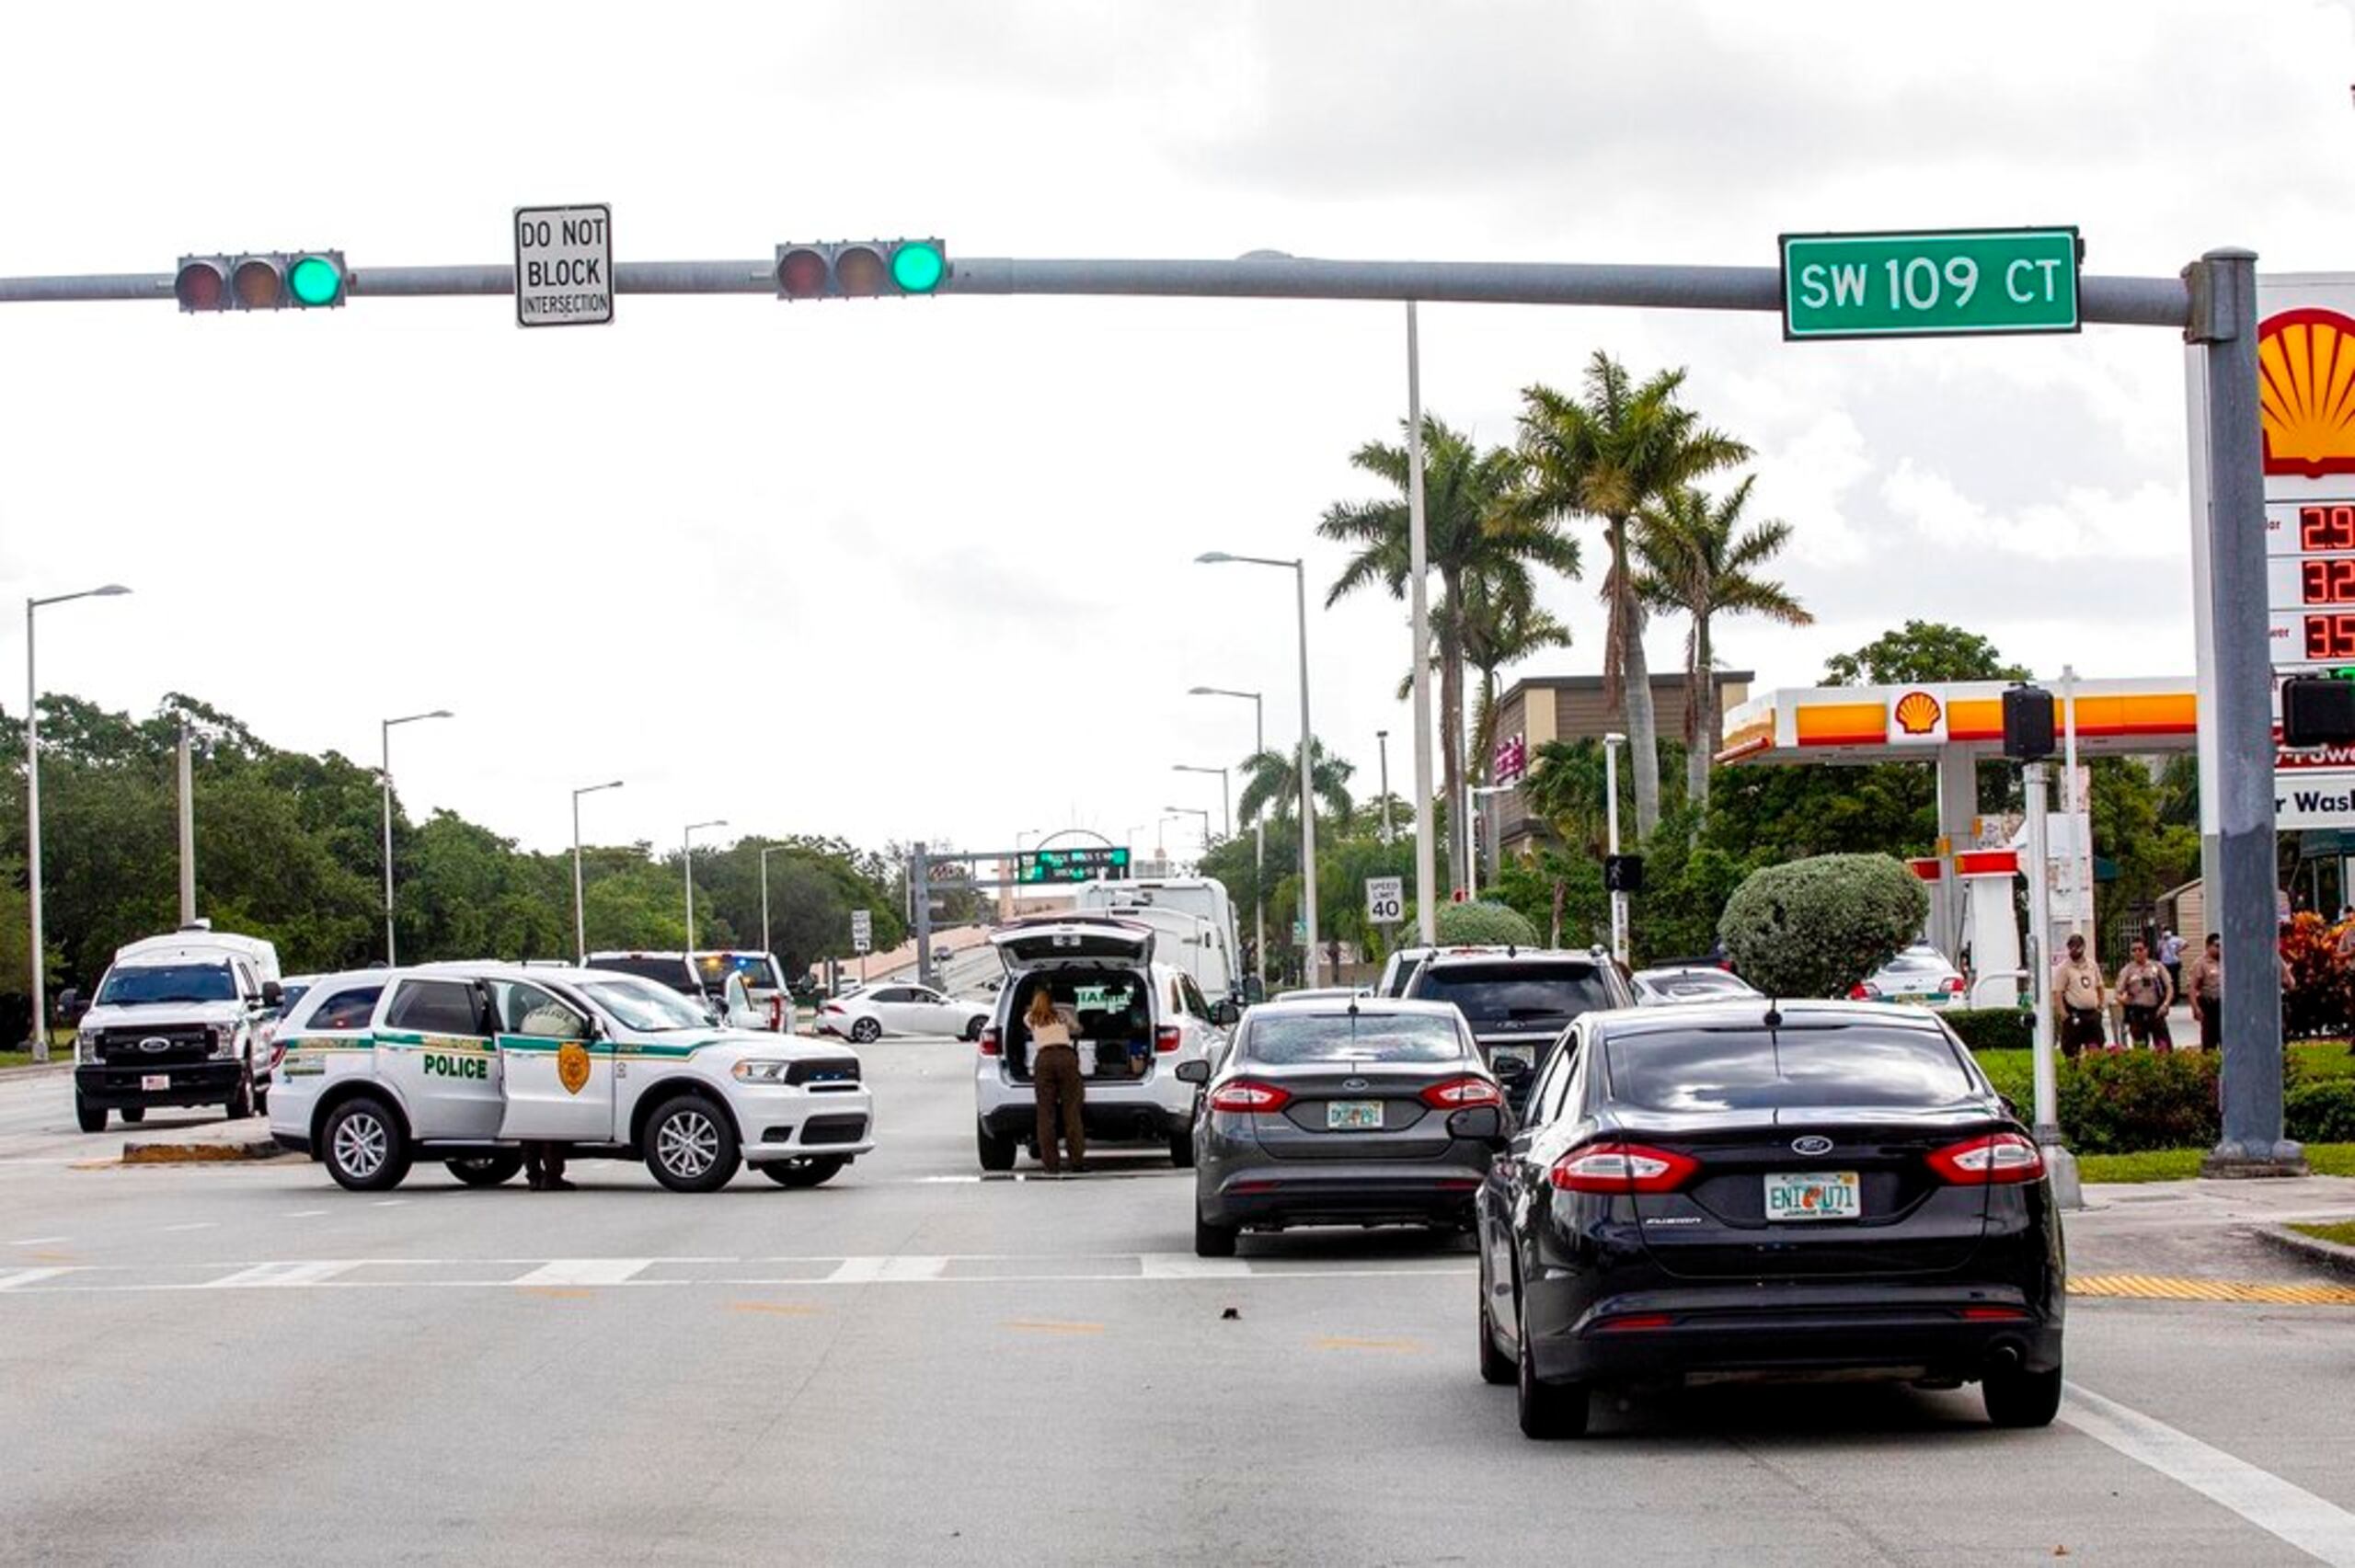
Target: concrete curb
(39,1069)
(257,1146)
(2308,1249)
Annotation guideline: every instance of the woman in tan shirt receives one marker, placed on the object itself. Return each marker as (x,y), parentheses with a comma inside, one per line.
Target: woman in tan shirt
(1054,1079)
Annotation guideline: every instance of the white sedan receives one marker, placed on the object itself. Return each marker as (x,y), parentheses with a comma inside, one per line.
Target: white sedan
(902,1010)
(1920,976)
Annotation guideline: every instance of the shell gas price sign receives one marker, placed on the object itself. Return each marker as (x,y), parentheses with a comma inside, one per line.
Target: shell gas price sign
(1931,283)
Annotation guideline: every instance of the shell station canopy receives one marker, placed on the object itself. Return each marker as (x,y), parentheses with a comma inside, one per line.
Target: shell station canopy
(1926,722)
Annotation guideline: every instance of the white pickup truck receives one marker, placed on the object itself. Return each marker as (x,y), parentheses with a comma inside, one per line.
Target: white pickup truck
(467,1062)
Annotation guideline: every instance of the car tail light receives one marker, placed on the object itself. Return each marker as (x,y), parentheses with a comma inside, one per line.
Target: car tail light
(1621,1167)
(1861,993)
(1457,1093)
(990,1046)
(777,1013)
(2000,1157)
(835,1008)
(1166,1038)
(1994,1314)
(1951,985)
(1636,1320)
(1249,1094)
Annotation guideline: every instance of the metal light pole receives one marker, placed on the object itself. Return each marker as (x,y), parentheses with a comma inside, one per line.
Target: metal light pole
(1258,827)
(390,956)
(1486,797)
(687,868)
(1610,744)
(766,851)
(38,951)
(1307,789)
(1418,600)
(1226,800)
(579,909)
(1200,811)
(1381,743)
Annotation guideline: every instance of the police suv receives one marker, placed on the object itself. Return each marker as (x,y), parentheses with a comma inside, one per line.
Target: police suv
(465,1062)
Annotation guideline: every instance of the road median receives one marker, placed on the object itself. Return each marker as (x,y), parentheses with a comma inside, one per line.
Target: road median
(2334,1255)
(217,1144)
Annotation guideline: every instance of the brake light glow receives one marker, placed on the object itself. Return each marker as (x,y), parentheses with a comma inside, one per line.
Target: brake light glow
(1166,1038)
(1635,1321)
(835,1008)
(1993,1315)
(2000,1157)
(1457,1093)
(1249,1094)
(1621,1167)
(1861,993)
(990,1046)
(1951,985)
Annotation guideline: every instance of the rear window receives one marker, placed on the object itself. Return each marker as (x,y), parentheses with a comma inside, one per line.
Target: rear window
(436,1007)
(1741,1070)
(349,1008)
(758,970)
(1497,996)
(1365,1036)
(672,972)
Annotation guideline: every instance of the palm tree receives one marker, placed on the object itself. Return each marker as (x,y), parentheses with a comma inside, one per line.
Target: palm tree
(1502,625)
(1271,783)
(1471,536)
(1691,560)
(1607,455)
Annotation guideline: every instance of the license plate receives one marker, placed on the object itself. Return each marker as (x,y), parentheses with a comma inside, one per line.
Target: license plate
(1813,1195)
(155,1081)
(1352,1116)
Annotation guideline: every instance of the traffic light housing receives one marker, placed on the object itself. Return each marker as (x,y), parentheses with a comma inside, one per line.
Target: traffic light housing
(266,279)
(861,269)
(1623,873)
(2317,710)
(2027,724)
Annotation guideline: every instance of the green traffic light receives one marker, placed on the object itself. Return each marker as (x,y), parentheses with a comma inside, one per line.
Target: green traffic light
(315,281)
(918,267)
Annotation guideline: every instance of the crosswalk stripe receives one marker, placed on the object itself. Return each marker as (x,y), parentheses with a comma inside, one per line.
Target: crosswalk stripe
(887,1270)
(264,1274)
(584,1271)
(16,1276)
(1181,1265)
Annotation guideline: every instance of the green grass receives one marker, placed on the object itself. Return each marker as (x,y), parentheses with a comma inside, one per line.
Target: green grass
(2342,1232)
(2182,1164)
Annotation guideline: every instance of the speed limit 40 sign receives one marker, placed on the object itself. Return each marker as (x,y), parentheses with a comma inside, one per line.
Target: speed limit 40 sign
(1386,899)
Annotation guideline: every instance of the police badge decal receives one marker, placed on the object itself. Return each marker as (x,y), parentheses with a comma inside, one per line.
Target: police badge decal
(572,1066)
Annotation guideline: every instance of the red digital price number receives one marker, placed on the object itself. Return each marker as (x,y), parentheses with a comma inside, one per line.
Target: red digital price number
(2330,638)
(2327,582)
(2329,527)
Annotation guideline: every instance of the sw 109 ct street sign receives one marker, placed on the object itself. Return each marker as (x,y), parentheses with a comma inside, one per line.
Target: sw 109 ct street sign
(564,266)
(1933,283)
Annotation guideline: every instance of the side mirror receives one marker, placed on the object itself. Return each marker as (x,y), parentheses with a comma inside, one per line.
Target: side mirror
(1194,1072)
(272,993)
(1480,1124)
(1224,1014)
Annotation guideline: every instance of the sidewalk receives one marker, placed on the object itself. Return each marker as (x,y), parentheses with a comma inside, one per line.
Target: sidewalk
(205,1143)
(2199,1229)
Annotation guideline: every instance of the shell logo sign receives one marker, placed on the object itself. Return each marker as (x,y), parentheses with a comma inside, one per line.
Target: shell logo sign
(1916,713)
(2305,363)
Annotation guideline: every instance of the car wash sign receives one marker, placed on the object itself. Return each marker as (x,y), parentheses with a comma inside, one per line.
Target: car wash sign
(1930,283)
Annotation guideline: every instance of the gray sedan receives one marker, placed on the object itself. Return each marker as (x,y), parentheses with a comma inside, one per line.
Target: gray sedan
(1364,1111)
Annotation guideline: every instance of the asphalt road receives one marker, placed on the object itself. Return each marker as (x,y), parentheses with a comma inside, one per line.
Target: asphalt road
(914,1366)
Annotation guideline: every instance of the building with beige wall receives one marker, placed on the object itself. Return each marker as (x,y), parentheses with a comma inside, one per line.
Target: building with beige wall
(1571,707)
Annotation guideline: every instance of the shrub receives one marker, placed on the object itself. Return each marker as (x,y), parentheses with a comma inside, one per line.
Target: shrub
(2321,1113)
(1993,1029)
(2126,1102)
(1480,923)
(1816,927)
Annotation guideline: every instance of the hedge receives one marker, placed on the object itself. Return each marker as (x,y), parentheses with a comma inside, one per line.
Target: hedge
(2126,1102)
(1817,927)
(2321,1113)
(1477,924)
(1993,1029)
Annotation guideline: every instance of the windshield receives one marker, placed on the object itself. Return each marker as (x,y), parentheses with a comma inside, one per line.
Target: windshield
(1497,996)
(1753,1068)
(1363,1036)
(166,982)
(671,971)
(639,1004)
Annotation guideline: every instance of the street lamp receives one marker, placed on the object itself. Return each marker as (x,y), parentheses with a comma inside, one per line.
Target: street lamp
(1200,811)
(32,811)
(579,917)
(1226,801)
(1258,827)
(1382,742)
(1610,744)
(1471,861)
(766,851)
(1299,569)
(390,958)
(687,867)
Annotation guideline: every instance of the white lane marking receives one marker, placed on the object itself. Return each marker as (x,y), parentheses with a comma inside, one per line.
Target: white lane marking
(388,1203)
(305,1213)
(14,1277)
(1185,1266)
(280,1275)
(931,1181)
(39,1241)
(197,1225)
(583,1271)
(2312,1525)
(906,1270)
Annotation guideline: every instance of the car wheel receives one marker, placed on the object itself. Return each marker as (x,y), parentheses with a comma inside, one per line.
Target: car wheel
(364,1149)
(241,1103)
(1212,1240)
(1182,1149)
(1496,1369)
(1547,1409)
(131,1113)
(865,1031)
(973,1028)
(2022,1399)
(811,1172)
(690,1146)
(997,1153)
(91,1118)
(485,1170)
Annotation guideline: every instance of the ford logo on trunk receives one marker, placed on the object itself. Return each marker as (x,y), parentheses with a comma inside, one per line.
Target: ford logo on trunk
(155,1043)
(1352,1083)
(1811,1144)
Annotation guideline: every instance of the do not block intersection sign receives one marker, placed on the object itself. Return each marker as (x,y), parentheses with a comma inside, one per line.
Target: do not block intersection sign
(564,266)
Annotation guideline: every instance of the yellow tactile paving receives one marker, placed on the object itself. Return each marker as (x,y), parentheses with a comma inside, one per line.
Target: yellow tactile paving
(2161,1287)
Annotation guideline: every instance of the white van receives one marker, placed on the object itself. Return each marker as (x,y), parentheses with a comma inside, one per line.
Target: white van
(183,1019)
(1188,941)
(1204,897)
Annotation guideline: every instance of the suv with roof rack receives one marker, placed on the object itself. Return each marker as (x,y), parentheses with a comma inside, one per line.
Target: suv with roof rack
(1519,1001)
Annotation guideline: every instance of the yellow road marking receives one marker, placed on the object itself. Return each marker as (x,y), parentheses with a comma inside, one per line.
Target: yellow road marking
(1040,1326)
(775,1309)
(1336,1342)
(2160,1288)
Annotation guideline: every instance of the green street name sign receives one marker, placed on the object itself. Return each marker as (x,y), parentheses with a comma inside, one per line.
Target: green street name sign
(1931,283)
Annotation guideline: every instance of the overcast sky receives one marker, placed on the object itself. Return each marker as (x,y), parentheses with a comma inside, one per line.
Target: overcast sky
(903,569)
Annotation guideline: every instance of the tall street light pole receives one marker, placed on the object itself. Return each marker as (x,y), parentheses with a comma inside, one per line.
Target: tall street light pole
(1226,800)
(766,851)
(1419,598)
(1610,744)
(391,958)
(1200,811)
(1258,827)
(1299,569)
(38,952)
(580,908)
(1382,742)
(687,868)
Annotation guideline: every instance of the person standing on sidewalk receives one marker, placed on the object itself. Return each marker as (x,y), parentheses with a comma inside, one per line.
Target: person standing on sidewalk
(2204,983)
(2171,956)
(1054,1079)
(2076,992)
(2146,992)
